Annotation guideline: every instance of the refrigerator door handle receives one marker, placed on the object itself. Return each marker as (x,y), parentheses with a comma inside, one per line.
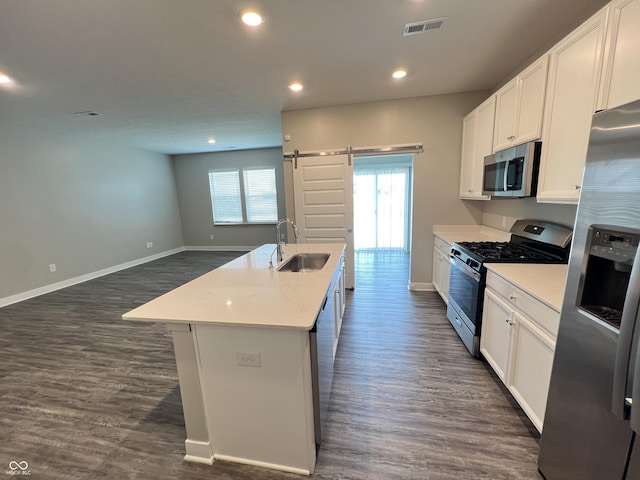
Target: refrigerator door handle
(634,418)
(619,405)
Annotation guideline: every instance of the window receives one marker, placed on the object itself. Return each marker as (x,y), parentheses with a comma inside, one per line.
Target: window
(245,195)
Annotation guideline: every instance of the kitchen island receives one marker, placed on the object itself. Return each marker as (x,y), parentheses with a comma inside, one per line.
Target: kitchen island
(244,356)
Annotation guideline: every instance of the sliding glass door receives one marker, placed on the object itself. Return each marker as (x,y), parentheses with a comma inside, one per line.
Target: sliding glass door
(381,200)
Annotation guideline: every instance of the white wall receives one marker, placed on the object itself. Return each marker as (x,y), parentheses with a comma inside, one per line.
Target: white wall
(192,181)
(83,205)
(434,121)
(517,208)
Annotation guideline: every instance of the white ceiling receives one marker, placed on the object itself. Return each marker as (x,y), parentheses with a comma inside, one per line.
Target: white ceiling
(165,75)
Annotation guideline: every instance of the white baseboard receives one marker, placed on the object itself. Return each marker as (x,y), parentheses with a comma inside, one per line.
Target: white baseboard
(36,292)
(421,287)
(272,466)
(198,452)
(210,248)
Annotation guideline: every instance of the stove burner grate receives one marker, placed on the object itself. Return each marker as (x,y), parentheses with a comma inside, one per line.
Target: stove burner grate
(505,252)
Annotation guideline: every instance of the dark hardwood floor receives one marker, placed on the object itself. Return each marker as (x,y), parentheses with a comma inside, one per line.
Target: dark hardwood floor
(86,395)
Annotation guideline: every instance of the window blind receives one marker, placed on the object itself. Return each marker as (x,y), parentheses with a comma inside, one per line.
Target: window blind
(260,195)
(225,196)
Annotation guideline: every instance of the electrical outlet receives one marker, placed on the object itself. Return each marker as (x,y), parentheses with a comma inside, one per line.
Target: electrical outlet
(149,244)
(212,237)
(52,267)
(248,359)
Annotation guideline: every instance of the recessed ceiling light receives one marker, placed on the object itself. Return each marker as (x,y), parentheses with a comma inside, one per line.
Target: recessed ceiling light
(5,79)
(251,18)
(295,86)
(399,74)
(212,140)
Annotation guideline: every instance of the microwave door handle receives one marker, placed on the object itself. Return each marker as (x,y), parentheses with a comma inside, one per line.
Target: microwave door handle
(506,174)
(620,402)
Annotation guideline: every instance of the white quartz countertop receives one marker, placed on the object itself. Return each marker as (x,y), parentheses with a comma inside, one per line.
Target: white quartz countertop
(544,282)
(246,292)
(470,233)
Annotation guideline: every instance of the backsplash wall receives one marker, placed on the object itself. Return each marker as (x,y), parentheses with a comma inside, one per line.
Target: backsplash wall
(494,211)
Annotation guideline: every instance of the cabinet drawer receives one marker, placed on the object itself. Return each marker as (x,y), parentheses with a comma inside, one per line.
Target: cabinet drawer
(441,245)
(543,315)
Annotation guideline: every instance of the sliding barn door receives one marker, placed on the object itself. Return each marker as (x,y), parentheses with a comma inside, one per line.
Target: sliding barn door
(323,191)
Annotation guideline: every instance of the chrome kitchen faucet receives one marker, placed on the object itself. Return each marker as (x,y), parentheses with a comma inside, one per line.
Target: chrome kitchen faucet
(279,243)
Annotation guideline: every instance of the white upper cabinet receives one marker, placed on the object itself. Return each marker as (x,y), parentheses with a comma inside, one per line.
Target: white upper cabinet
(575,67)
(519,107)
(469,131)
(504,132)
(621,77)
(477,141)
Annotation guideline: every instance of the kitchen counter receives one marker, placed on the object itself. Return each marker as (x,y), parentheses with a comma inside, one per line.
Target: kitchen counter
(245,357)
(246,292)
(544,282)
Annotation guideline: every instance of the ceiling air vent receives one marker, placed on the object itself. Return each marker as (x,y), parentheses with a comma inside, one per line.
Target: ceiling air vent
(423,26)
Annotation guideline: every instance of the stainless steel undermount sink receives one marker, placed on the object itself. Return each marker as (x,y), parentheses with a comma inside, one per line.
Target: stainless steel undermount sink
(304,262)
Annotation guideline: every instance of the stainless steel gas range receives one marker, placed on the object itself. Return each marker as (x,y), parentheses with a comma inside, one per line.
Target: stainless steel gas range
(532,241)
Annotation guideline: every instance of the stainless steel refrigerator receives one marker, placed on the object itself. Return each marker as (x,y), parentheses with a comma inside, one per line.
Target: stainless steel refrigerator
(592,421)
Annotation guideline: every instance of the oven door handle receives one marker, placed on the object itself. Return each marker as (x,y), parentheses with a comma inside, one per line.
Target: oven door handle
(466,269)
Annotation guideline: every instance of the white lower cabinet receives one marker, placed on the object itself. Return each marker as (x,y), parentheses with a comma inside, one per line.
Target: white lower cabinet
(440,279)
(530,367)
(518,341)
(337,289)
(496,333)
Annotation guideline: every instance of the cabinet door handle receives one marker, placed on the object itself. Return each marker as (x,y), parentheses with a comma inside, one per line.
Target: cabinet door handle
(578,187)
(512,298)
(511,324)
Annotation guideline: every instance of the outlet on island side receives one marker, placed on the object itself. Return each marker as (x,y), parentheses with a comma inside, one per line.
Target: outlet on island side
(52,267)
(248,359)
(149,244)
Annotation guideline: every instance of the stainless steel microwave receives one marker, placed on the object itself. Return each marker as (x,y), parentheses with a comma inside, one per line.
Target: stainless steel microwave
(512,172)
